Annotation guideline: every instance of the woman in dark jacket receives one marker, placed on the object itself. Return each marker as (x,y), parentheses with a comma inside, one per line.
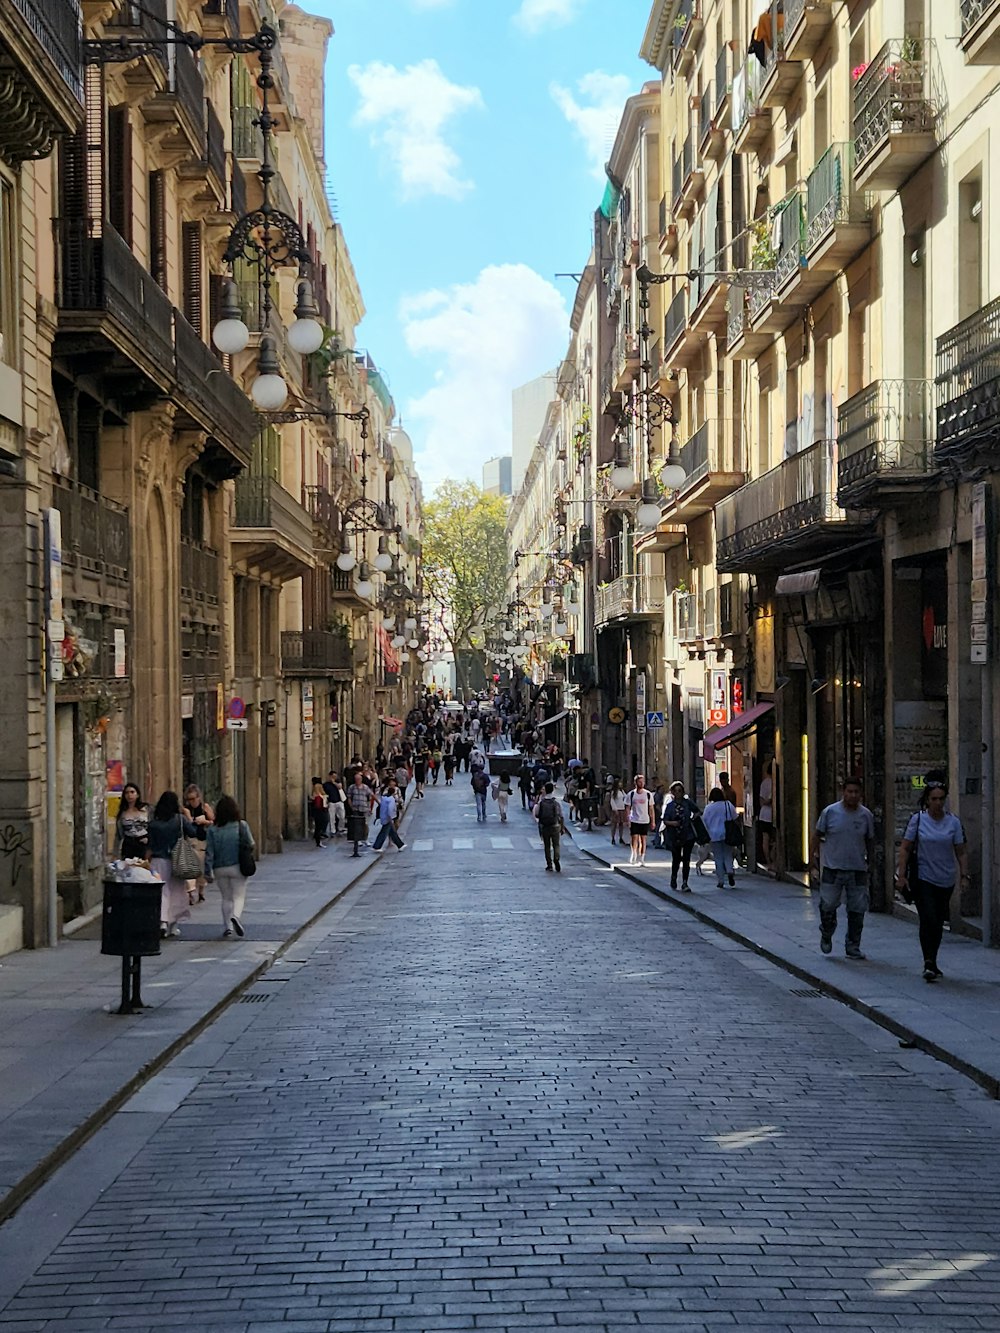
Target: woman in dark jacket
(222,863)
(166,826)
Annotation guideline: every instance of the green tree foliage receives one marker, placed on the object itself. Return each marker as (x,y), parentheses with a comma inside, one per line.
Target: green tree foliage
(465,564)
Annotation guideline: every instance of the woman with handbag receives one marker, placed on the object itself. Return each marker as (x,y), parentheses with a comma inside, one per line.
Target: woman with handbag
(229,859)
(173,860)
(933,847)
(678,822)
(719,814)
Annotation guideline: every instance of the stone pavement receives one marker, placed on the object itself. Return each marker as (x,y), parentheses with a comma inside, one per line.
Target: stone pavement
(485,1097)
(956,1019)
(66,1059)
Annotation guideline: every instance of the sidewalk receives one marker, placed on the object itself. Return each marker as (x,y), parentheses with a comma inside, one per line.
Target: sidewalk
(956,1019)
(67,1061)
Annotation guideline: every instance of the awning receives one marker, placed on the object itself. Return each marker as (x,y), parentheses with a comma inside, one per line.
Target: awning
(797,585)
(396,722)
(719,737)
(556,717)
(351,727)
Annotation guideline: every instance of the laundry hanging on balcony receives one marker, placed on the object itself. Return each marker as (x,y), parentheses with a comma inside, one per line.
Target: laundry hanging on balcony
(762,41)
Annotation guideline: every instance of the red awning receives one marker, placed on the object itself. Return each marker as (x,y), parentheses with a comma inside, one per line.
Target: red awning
(719,737)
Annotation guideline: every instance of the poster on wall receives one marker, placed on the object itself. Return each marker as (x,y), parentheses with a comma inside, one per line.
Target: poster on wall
(921,744)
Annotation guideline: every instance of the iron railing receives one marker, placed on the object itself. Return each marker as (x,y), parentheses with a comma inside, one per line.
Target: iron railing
(974,10)
(675,321)
(56,25)
(686,616)
(188,85)
(146,20)
(697,456)
(262,502)
(746,92)
(628,595)
(98,271)
(721,77)
(892,96)
(736,315)
(199,572)
(237,187)
(775,53)
(319,651)
(791,251)
(201,378)
(887,428)
(95,530)
(968,378)
(831,199)
(794,497)
(664,216)
(688,156)
(760,293)
(325,512)
(677,180)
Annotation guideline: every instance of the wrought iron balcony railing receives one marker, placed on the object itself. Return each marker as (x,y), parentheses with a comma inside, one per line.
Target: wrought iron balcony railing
(215,398)
(968,382)
(95,531)
(973,11)
(722,79)
(884,433)
(56,25)
(629,596)
(675,322)
(892,97)
(831,199)
(792,232)
(316,652)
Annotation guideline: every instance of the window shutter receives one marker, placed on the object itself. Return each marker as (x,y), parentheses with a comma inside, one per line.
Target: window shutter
(158,228)
(192,296)
(120,172)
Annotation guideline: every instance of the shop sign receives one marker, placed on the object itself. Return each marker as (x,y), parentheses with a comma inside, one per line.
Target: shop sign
(640,701)
(187,705)
(119,654)
(980,635)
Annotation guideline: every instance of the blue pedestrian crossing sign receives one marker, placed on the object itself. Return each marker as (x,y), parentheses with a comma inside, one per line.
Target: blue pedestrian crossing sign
(654,720)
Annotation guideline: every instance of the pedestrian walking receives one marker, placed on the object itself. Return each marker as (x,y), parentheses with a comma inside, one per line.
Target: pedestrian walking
(480,784)
(548,813)
(227,836)
(504,792)
(449,766)
(639,803)
(165,830)
(524,783)
(436,760)
(132,824)
(765,817)
(201,815)
(842,844)
(388,814)
(402,776)
(618,800)
(933,847)
(679,815)
(420,772)
(360,799)
(336,815)
(318,816)
(718,816)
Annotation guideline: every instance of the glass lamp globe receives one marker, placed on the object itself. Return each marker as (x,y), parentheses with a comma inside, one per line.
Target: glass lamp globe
(546,610)
(230,336)
(389,623)
(509,635)
(560,628)
(413,643)
(383,561)
(648,514)
(410,623)
(673,476)
(622,477)
(269,392)
(529,637)
(364,588)
(398,641)
(346,560)
(404,657)
(305,336)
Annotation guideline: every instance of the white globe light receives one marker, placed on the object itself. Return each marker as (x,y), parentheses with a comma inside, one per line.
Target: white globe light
(230,336)
(404,657)
(269,392)
(422,656)
(389,623)
(647,515)
(508,634)
(673,476)
(346,560)
(409,623)
(622,478)
(398,641)
(546,610)
(383,562)
(560,627)
(414,643)
(305,336)
(364,588)
(529,636)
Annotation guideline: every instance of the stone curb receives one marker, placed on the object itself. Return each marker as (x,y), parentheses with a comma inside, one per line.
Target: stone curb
(43,1170)
(910,1035)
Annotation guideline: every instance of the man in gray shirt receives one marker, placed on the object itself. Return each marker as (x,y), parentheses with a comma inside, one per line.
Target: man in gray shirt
(846,831)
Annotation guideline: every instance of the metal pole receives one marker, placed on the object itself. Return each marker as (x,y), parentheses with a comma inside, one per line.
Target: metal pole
(54,631)
(51,828)
(988,812)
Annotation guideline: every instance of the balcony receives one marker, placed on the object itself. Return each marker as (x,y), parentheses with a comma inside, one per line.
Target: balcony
(271,531)
(885,442)
(895,116)
(326,516)
(176,113)
(968,384)
(709,300)
(708,480)
(316,652)
(743,341)
(781,74)
(343,590)
(207,170)
(837,216)
(980,39)
(220,18)
(723,87)
(96,544)
(113,317)
(751,120)
(688,28)
(711,140)
(692,179)
(199,578)
(210,399)
(686,626)
(791,511)
(629,597)
(807,23)
(675,327)
(667,230)
(796,281)
(43,96)
(626,358)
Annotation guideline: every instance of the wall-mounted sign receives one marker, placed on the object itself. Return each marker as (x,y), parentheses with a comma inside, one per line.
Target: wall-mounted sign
(237,707)
(236,724)
(616,716)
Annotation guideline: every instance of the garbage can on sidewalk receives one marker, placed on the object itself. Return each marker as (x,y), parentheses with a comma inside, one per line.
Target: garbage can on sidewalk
(130,930)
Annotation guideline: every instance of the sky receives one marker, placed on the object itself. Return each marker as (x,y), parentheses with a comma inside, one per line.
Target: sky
(465,144)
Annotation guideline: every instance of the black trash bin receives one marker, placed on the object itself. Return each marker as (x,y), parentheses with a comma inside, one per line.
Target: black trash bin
(130,930)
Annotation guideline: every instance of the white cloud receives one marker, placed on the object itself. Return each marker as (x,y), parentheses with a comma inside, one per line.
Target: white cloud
(407,111)
(488,337)
(534,15)
(595,118)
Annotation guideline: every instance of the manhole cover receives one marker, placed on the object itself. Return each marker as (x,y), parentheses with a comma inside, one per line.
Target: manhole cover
(806,993)
(255,997)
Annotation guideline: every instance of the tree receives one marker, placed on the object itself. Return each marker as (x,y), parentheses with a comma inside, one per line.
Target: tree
(465,566)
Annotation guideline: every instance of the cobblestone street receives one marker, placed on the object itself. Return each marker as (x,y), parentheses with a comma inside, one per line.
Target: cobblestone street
(480,1096)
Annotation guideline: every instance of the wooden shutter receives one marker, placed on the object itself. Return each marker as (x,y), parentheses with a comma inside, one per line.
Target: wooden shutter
(158,228)
(120,172)
(192,276)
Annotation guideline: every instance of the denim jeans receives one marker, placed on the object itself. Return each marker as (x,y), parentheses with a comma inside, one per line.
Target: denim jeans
(834,886)
(480,805)
(722,855)
(387,831)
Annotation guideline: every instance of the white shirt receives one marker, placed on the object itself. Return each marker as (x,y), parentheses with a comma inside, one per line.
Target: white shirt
(714,817)
(640,806)
(618,800)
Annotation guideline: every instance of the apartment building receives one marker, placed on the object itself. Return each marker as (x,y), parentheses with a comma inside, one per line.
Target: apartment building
(207,634)
(834,348)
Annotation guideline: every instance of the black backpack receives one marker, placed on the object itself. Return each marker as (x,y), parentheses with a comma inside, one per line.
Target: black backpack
(548,812)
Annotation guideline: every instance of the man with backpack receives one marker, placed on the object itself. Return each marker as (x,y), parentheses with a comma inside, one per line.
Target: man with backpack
(480,784)
(548,813)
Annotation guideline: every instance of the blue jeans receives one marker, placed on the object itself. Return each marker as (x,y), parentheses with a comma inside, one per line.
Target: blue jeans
(387,831)
(722,855)
(480,805)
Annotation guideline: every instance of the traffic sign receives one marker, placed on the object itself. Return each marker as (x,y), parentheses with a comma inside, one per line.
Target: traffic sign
(236,724)
(654,720)
(237,707)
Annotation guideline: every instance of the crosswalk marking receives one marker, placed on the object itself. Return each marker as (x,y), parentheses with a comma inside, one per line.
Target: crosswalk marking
(423,845)
(462,844)
(501,843)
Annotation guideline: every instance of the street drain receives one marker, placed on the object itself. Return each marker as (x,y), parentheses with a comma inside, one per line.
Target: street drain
(806,993)
(255,997)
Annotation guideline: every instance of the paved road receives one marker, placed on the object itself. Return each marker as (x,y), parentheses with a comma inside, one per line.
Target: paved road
(480,1096)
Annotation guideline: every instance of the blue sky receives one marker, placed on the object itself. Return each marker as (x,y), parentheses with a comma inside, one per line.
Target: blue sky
(464,144)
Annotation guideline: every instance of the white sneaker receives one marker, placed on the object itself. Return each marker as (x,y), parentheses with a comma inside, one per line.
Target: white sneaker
(642,860)
(631,859)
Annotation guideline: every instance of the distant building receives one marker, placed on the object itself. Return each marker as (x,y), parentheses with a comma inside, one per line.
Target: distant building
(497,475)
(530,402)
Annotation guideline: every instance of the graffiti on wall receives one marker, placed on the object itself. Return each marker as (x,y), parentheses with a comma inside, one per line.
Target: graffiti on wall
(14,852)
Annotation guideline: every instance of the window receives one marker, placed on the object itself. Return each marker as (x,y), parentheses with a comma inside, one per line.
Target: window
(9,269)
